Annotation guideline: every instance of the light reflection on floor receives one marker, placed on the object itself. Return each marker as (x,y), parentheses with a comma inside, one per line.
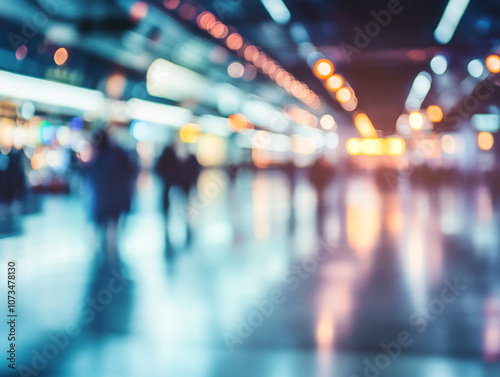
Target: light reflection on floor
(393,253)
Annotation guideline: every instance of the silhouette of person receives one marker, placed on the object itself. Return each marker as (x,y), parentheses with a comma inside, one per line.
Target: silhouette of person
(181,172)
(111,175)
(189,170)
(320,174)
(291,172)
(166,168)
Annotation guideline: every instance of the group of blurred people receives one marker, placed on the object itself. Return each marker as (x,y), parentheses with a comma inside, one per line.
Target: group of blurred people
(111,177)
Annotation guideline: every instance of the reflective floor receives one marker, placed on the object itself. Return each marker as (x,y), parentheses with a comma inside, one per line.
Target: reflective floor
(394,282)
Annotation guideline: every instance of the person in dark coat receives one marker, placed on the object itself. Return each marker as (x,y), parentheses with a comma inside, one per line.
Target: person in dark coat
(188,174)
(320,174)
(112,176)
(166,168)
(176,172)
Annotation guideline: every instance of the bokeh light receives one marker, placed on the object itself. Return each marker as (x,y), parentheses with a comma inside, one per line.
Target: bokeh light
(234,41)
(61,56)
(327,122)
(353,146)
(238,122)
(323,68)
(435,114)
(21,52)
(416,120)
(485,141)
(171,4)
(236,70)
(190,133)
(335,82)
(343,95)
(139,10)
(187,11)
(439,64)
(493,63)
(475,68)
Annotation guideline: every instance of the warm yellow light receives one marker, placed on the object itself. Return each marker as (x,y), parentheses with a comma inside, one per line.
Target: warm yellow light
(395,146)
(323,68)
(485,141)
(435,114)
(493,63)
(373,147)
(61,56)
(343,95)
(416,120)
(353,146)
(190,133)
(211,150)
(365,126)
(335,82)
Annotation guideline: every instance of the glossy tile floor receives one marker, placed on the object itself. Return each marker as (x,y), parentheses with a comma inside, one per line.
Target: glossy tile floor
(402,282)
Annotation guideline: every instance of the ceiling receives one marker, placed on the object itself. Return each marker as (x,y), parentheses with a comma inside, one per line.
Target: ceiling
(381,73)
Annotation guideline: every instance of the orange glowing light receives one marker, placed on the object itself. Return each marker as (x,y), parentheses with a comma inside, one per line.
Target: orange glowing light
(435,114)
(493,63)
(323,68)
(234,41)
(280,78)
(266,68)
(171,4)
(139,10)
(238,122)
(61,56)
(115,86)
(205,20)
(219,30)
(250,52)
(343,95)
(335,82)
(365,126)
(485,141)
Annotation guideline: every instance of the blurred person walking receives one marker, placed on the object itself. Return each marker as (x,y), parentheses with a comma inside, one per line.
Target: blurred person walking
(166,168)
(320,174)
(12,189)
(188,175)
(111,175)
(176,167)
